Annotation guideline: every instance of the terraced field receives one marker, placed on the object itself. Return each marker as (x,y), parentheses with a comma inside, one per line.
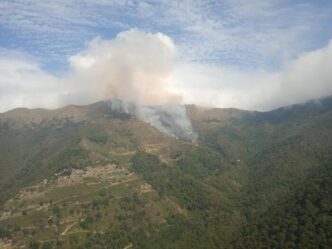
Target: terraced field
(77,202)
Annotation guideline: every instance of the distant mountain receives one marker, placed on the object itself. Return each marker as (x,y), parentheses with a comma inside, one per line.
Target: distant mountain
(95,177)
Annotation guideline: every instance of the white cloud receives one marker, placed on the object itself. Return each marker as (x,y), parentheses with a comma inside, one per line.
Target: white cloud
(307,77)
(140,67)
(24,84)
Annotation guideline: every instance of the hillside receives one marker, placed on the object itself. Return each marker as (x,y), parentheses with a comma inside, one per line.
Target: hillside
(93,177)
(287,155)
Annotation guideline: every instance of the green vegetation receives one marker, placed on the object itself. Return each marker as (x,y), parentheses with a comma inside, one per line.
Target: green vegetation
(91,177)
(303,221)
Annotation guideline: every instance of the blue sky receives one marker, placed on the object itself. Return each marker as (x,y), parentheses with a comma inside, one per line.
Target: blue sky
(243,36)
(238,32)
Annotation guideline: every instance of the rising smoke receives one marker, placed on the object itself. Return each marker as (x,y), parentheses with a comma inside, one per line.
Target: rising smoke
(170,119)
(134,68)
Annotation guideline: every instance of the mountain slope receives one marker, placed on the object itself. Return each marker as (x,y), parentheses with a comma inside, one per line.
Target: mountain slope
(287,142)
(283,150)
(51,161)
(93,177)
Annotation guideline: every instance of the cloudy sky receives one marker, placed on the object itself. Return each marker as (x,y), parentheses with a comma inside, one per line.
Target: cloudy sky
(251,54)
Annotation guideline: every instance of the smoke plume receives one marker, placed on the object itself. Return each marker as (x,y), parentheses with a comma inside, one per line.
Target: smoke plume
(135,68)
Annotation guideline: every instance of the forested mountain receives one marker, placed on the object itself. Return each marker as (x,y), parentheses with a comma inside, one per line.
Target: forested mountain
(93,177)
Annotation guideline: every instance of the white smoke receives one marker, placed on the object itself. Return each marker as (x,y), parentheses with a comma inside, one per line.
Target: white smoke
(135,68)
(170,119)
(139,68)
